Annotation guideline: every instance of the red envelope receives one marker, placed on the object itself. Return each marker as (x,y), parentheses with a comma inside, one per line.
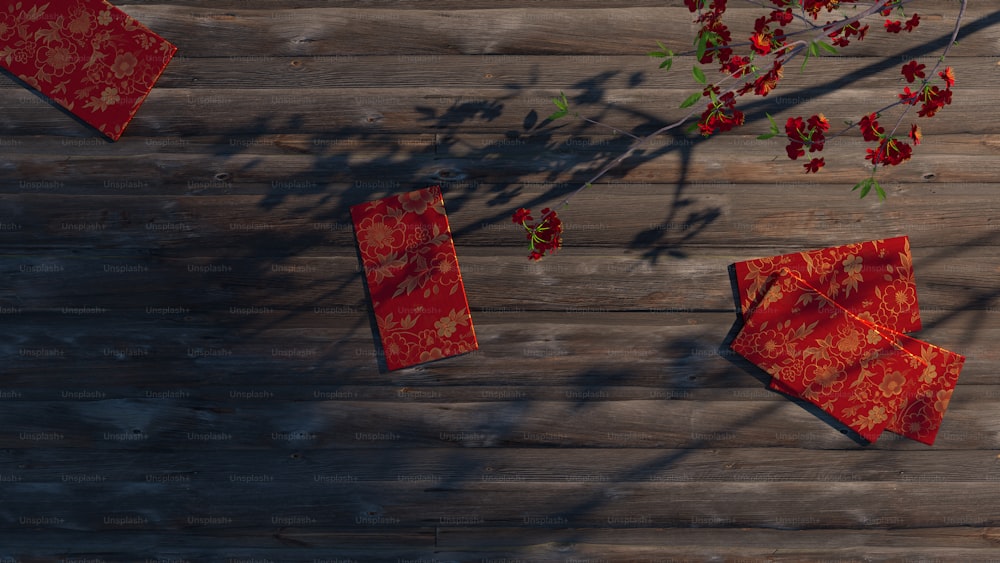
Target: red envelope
(86,55)
(823,353)
(920,418)
(873,280)
(413,278)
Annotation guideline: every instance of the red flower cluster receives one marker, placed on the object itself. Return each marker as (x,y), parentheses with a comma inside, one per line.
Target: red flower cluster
(545,236)
(932,97)
(810,133)
(890,151)
(896,26)
(842,37)
(764,38)
(721,115)
(765,82)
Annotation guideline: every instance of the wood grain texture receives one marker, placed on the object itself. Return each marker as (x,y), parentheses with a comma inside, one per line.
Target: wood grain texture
(188,370)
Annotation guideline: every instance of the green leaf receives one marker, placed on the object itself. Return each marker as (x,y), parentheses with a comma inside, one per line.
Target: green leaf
(702,45)
(827,47)
(813,48)
(698,75)
(563,104)
(774,129)
(879,190)
(692,128)
(774,126)
(664,54)
(691,100)
(864,186)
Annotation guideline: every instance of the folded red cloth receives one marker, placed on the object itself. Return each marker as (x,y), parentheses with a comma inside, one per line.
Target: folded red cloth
(874,279)
(828,356)
(921,416)
(86,55)
(414,282)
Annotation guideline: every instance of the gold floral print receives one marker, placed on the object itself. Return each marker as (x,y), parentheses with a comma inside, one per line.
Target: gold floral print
(827,355)
(893,384)
(375,234)
(943,397)
(878,278)
(71,52)
(124,65)
(855,271)
(413,277)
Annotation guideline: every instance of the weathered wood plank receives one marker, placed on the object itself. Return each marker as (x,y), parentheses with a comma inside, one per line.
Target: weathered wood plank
(199,540)
(332,113)
(345,468)
(510,77)
(311,31)
(749,545)
(334,356)
(149,424)
(648,221)
(398,504)
(659,545)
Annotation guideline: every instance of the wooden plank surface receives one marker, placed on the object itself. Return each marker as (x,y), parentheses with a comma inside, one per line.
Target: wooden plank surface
(187,365)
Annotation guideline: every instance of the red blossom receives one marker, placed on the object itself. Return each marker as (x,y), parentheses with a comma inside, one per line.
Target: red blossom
(794,128)
(893,26)
(915,134)
(767,82)
(870,129)
(908,97)
(760,43)
(814,165)
(912,23)
(794,150)
(913,70)
(543,237)
(889,152)
(737,66)
(806,133)
(934,99)
(820,122)
(720,116)
(949,76)
(782,17)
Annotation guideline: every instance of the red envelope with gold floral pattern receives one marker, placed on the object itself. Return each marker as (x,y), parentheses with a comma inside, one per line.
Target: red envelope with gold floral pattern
(86,55)
(828,356)
(874,279)
(414,283)
(921,416)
